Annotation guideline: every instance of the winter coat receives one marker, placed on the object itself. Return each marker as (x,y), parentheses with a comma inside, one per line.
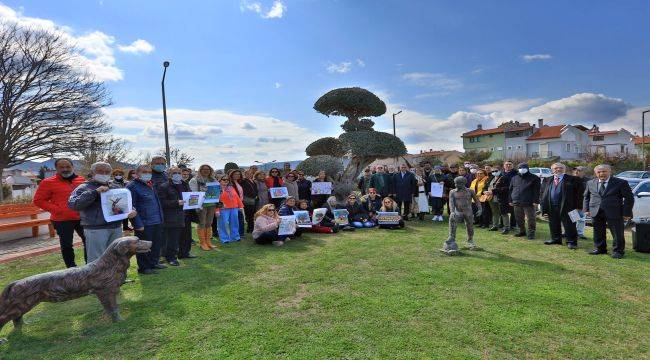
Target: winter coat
(158,178)
(524,189)
(404,186)
(304,189)
(356,212)
(382,182)
(52,196)
(262,193)
(286,210)
(146,203)
(370,205)
(87,201)
(570,195)
(479,186)
(500,188)
(436,178)
(292,188)
(264,223)
(169,194)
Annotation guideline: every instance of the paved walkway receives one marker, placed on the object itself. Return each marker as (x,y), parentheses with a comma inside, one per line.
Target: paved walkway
(29,247)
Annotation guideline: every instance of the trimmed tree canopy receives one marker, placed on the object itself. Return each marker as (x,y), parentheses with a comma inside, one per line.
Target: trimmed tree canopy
(326,146)
(352,103)
(230,166)
(314,164)
(373,144)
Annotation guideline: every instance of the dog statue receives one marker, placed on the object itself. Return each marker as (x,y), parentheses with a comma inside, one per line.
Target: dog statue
(103,277)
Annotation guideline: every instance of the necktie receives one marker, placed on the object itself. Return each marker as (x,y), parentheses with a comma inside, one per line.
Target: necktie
(556,181)
(601,191)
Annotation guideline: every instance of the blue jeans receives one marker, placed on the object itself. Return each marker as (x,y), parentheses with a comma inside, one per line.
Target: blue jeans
(366,224)
(229,219)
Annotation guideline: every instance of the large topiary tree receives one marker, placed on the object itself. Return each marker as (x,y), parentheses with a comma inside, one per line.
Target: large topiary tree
(314,164)
(359,141)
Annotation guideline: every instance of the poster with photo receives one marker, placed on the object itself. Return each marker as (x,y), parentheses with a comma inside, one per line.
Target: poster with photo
(321,188)
(287,225)
(436,190)
(212,193)
(302,219)
(116,204)
(341,216)
(318,215)
(193,200)
(388,218)
(279,192)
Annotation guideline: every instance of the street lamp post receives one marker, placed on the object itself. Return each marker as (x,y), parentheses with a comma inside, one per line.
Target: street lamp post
(643,137)
(397,113)
(165,65)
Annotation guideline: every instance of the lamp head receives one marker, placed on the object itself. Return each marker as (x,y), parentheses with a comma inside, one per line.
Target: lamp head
(399,112)
(166,63)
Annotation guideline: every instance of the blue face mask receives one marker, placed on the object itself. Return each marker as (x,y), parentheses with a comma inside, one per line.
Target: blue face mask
(158,168)
(145,177)
(177,178)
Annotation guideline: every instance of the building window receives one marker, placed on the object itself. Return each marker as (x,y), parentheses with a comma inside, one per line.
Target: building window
(509,147)
(518,147)
(568,147)
(599,138)
(499,148)
(623,149)
(491,149)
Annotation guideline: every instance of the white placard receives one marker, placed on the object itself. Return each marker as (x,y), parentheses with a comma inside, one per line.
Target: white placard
(193,200)
(436,190)
(574,215)
(388,218)
(302,219)
(287,225)
(116,204)
(279,192)
(321,188)
(318,215)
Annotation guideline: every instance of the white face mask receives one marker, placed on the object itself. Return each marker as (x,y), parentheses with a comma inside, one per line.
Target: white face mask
(118,177)
(145,177)
(101,178)
(473,171)
(523,171)
(496,173)
(176,178)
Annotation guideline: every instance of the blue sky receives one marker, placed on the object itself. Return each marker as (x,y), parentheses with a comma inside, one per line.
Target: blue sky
(244,74)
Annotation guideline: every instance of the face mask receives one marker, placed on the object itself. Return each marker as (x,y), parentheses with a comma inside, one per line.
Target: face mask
(523,171)
(119,177)
(66,174)
(496,173)
(101,178)
(158,168)
(145,177)
(177,178)
(473,171)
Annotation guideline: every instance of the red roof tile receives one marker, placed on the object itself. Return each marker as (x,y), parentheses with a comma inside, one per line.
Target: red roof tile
(479,132)
(602,133)
(547,132)
(637,140)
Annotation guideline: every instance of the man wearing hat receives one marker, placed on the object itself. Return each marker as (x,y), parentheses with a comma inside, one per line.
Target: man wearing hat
(524,197)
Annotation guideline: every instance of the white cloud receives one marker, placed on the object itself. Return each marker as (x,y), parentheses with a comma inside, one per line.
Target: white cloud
(584,107)
(506,105)
(95,50)
(213,136)
(137,47)
(437,80)
(276,11)
(361,63)
(340,68)
(536,57)
(277,85)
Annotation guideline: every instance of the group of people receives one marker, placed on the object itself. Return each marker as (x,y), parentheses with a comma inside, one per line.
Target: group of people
(500,198)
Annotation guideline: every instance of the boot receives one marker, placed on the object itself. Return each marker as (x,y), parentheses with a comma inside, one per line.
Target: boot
(208,238)
(202,238)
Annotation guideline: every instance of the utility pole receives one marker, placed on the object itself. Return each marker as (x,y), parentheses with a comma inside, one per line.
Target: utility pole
(167,155)
(397,113)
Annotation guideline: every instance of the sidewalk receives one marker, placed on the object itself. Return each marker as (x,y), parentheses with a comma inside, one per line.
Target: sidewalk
(30,247)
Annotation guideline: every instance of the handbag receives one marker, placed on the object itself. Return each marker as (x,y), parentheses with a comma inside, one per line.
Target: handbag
(484,198)
(249,201)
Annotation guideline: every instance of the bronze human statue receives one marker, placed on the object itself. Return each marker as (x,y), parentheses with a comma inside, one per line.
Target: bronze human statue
(460,210)
(102,277)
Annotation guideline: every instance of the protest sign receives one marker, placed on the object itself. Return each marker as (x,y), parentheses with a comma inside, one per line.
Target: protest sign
(302,218)
(321,188)
(116,204)
(287,225)
(279,192)
(193,200)
(388,218)
(212,193)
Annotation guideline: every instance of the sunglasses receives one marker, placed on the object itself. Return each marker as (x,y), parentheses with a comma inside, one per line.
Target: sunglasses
(271,210)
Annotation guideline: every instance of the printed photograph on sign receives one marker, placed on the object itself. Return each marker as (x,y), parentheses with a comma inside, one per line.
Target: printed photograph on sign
(279,192)
(388,218)
(318,215)
(321,188)
(287,225)
(116,204)
(302,218)
(212,193)
(193,200)
(341,216)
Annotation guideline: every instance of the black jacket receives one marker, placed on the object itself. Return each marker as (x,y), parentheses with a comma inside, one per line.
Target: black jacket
(404,187)
(501,189)
(304,189)
(169,195)
(524,189)
(356,212)
(570,195)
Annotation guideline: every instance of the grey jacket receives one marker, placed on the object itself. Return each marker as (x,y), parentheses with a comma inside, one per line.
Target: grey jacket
(616,202)
(86,200)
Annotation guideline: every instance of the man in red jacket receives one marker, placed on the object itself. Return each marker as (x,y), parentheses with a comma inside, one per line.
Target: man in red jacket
(52,196)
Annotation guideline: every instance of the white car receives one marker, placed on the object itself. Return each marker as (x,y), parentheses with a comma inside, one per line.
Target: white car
(641,208)
(541,172)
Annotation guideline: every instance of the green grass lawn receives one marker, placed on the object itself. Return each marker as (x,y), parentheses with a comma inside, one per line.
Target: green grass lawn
(367,294)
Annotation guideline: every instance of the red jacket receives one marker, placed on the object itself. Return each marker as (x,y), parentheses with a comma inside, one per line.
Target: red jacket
(269,181)
(52,195)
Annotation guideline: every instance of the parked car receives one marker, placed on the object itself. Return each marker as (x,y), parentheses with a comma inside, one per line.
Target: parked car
(541,172)
(641,208)
(634,177)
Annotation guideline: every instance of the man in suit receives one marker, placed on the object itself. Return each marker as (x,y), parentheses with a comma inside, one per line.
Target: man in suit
(609,201)
(405,186)
(561,194)
(580,173)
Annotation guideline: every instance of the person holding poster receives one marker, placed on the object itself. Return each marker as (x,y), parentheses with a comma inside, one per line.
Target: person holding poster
(388,205)
(357,215)
(371,203)
(287,209)
(266,226)
(206,213)
(436,191)
(318,201)
(274,180)
(86,199)
(229,214)
(319,222)
(179,235)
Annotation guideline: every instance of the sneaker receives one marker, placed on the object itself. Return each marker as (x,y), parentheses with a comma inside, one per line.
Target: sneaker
(159,266)
(278,243)
(147,272)
(173,263)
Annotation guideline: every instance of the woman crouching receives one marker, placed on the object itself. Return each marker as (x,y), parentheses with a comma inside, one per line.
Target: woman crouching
(266,226)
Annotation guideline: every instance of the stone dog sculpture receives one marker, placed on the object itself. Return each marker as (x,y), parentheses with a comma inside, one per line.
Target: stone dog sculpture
(103,277)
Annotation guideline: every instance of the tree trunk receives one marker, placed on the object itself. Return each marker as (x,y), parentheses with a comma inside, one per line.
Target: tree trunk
(2,189)
(355,167)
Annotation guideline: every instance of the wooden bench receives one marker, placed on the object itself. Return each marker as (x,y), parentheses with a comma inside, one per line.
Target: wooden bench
(11,211)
